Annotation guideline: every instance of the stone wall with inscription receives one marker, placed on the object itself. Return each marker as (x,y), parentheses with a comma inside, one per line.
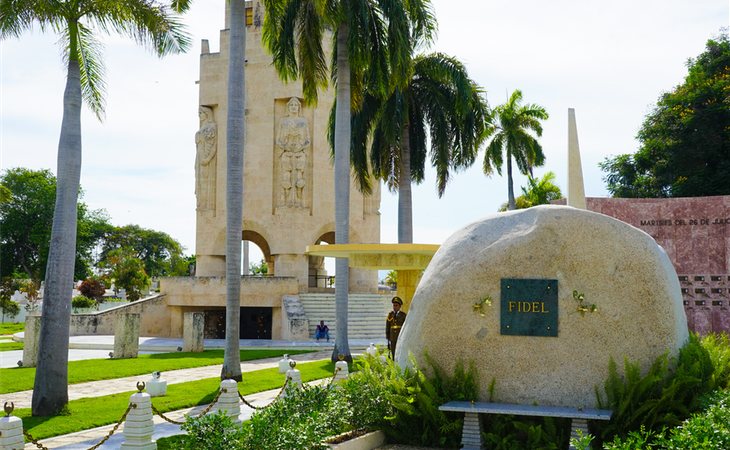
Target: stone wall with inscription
(540,299)
(695,233)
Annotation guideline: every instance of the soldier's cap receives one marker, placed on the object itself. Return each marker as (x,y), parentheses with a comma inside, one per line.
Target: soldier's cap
(397,300)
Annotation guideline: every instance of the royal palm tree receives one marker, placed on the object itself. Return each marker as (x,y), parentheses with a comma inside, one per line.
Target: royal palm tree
(439,99)
(371,43)
(147,22)
(512,134)
(235,137)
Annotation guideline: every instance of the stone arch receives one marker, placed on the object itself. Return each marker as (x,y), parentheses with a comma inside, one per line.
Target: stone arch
(250,234)
(317,275)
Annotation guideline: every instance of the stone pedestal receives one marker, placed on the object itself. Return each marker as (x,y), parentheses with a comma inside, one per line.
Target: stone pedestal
(30,340)
(295,380)
(284,364)
(126,336)
(156,386)
(11,433)
(471,437)
(575,426)
(193,324)
(343,372)
(372,350)
(138,427)
(229,401)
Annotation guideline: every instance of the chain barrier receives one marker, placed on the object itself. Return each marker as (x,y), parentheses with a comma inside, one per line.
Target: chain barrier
(177,422)
(164,417)
(334,377)
(106,438)
(329,383)
(283,388)
(202,413)
(116,427)
(34,441)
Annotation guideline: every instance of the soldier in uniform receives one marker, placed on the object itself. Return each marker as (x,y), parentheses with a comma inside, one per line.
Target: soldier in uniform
(393,324)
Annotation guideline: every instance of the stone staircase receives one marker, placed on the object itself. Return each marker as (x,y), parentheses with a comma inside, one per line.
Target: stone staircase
(366,314)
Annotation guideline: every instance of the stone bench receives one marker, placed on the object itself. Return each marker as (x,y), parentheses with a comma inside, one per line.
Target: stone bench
(471,435)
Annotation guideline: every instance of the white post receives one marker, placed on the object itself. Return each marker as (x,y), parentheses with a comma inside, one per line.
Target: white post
(11,433)
(228,401)
(126,336)
(294,377)
(138,427)
(30,340)
(342,371)
(193,331)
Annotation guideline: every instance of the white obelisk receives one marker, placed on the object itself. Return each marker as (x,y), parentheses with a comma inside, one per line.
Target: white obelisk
(576,191)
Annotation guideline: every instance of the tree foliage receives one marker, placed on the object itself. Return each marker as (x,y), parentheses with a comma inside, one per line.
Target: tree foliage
(93,288)
(685,140)
(25,221)
(160,254)
(438,105)
(259,269)
(512,133)
(127,272)
(537,192)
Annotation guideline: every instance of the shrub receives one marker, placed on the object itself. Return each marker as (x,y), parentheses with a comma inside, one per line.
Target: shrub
(301,420)
(404,402)
(667,394)
(8,307)
(709,429)
(211,432)
(505,432)
(92,287)
(718,348)
(81,301)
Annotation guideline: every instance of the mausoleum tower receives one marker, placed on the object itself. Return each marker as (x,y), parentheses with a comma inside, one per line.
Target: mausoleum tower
(288,172)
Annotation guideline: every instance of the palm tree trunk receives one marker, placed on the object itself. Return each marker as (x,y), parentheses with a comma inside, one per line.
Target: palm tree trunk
(405,201)
(510,185)
(342,192)
(235,125)
(50,388)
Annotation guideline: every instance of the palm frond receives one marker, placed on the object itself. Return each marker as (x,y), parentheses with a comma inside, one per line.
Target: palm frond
(89,56)
(278,34)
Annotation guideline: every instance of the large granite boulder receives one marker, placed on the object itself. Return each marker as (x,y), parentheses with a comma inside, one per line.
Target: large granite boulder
(554,353)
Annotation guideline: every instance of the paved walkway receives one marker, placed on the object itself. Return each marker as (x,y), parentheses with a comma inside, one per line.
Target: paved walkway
(22,399)
(98,347)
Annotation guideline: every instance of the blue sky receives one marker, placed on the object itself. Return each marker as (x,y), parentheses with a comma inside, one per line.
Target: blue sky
(608,60)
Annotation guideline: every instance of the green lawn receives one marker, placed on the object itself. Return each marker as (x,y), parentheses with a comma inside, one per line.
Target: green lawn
(88,413)
(21,378)
(7,346)
(11,328)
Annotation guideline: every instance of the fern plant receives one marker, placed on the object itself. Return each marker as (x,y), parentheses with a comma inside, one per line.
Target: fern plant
(662,397)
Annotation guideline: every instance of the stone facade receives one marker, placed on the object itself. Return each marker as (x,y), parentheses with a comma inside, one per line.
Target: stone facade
(473,291)
(288,198)
(695,233)
(288,174)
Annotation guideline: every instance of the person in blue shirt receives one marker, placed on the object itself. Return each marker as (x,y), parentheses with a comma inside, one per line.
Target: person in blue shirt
(322,331)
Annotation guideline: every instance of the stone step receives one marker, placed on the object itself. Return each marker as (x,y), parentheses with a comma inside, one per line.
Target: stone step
(366,314)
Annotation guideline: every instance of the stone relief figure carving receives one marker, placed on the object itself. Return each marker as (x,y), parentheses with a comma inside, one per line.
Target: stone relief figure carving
(292,140)
(206,143)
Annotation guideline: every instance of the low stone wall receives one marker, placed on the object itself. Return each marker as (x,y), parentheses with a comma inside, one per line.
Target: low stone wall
(153,311)
(197,294)
(211,291)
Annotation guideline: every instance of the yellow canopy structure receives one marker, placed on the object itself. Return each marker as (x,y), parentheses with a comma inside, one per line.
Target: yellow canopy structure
(408,260)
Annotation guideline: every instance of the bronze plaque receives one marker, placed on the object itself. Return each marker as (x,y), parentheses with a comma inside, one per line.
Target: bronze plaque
(529,307)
